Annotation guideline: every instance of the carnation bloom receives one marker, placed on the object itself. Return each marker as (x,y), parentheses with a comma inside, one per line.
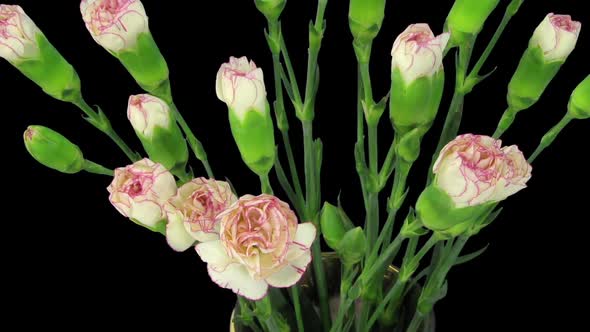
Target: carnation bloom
(475,169)
(140,191)
(260,244)
(193,212)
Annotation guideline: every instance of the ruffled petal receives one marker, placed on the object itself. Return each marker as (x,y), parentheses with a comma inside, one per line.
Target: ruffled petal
(291,273)
(237,278)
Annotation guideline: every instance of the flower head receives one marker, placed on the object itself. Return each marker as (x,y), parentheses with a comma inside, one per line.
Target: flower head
(260,244)
(115,24)
(417,52)
(475,169)
(139,191)
(146,112)
(240,84)
(18,34)
(194,211)
(556,36)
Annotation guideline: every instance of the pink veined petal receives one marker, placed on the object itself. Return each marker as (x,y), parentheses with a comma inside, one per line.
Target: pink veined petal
(291,273)
(176,236)
(204,236)
(236,278)
(213,253)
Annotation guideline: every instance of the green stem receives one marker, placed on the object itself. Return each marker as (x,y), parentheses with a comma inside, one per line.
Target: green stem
(102,123)
(193,142)
(453,119)
(284,182)
(245,310)
(505,122)
(373,197)
(92,167)
(508,14)
(435,282)
(311,214)
(297,305)
(293,167)
(291,73)
(360,135)
(550,136)
(265,185)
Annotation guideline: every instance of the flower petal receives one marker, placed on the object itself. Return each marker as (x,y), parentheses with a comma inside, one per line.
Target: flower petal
(147,212)
(214,254)
(290,274)
(305,235)
(178,238)
(237,278)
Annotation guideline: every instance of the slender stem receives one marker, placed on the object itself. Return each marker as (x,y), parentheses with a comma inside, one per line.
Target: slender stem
(373,197)
(311,214)
(550,136)
(92,167)
(297,305)
(366,80)
(453,119)
(284,182)
(193,142)
(505,122)
(508,14)
(293,167)
(435,281)
(360,134)
(244,308)
(291,73)
(265,185)
(101,122)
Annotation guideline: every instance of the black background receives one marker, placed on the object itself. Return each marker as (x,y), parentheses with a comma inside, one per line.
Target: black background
(69,257)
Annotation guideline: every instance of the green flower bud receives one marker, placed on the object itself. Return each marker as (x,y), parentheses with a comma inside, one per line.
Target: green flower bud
(365,18)
(334,224)
(467,17)
(416,84)
(579,104)
(158,131)
(271,9)
(352,246)
(552,42)
(26,48)
(53,150)
(240,84)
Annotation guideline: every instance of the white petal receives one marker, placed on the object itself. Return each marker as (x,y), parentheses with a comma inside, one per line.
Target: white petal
(214,254)
(290,274)
(146,212)
(305,235)
(237,278)
(178,238)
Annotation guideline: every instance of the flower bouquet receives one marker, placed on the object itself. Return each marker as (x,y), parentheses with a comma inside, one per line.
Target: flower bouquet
(383,273)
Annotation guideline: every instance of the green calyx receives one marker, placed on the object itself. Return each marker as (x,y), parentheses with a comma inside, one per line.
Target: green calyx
(53,150)
(414,104)
(530,79)
(579,104)
(51,72)
(334,224)
(271,9)
(365,18)
(437,212)
(467,17)
(147,66)
(167,147)
(253,133)
(352,246)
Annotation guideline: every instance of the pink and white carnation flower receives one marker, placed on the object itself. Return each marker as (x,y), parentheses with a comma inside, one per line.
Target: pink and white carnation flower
(193,212)
(115,24)
(475,169)
(140,191)
(260,244)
